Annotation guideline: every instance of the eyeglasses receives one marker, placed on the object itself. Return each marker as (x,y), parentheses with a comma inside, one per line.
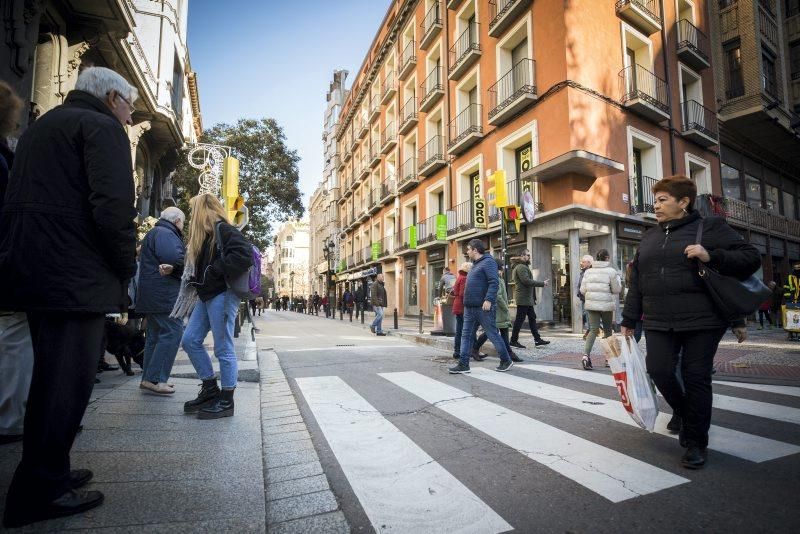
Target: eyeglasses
(130,105)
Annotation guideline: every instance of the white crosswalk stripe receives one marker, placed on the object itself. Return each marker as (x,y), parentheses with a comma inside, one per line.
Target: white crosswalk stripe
(793,391)
(733,442)
(400,487)
(608,473)
(766,410)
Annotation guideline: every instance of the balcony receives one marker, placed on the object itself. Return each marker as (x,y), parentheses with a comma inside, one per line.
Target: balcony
(432,232)
(431,89)
(740,214)
(365,167)
(354,137)
(362,255)
(453,4)
(364,129)
(768,27)
(347,153)
(408,60)
(389,88)
(644,93)
(693,46)
(461,219)
(386,246)
(366,254)
(465,129)
(388,190)
(512,93)
(408,116)
(407,242)
(431,26)
(408,175)
(699,124)
(374,154)
(351,261)
(374,200)
(643,14)
(432,156)
(465,52)
(388,138)
(642,198)
(503,13)
(374,108)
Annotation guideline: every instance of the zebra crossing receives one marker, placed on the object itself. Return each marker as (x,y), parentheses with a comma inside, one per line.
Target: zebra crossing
(401,487)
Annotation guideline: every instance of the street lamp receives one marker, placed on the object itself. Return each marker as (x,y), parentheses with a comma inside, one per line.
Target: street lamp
(329,251)
(291,281)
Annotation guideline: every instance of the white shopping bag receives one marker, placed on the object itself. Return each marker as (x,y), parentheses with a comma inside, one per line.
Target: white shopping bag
(633,383)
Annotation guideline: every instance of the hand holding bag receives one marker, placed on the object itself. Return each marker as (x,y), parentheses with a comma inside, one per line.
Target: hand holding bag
(732,297)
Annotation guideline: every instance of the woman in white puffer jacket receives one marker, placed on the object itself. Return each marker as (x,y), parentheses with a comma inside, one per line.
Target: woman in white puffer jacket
(599,285)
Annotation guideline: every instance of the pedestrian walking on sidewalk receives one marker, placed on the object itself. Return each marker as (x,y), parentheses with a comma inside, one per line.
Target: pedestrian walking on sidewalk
(377,295)
(525,299)
(445,285)
(586,262)
(16,350)
(503,319)
(763,311)
(682,325)
(217,250)
(160,271)
(67,247)
(480,307)
(599,285)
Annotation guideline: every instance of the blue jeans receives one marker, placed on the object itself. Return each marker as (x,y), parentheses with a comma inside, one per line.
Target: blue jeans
(161,346)
(378,318)
(473,316)
(216,315)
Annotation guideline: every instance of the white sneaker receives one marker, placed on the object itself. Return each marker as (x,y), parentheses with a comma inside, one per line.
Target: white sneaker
(158,389)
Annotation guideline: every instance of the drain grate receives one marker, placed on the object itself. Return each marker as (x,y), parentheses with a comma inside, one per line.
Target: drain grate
(346,345)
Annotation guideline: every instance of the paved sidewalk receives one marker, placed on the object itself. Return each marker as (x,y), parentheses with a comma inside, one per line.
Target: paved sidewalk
(160,469)
(767,356)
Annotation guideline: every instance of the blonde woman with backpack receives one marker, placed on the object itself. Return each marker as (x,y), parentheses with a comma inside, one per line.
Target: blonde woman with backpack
(210,304)
(599,285)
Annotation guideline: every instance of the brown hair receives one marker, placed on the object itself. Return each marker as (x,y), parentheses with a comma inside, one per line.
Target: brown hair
(10,106)
(678,186)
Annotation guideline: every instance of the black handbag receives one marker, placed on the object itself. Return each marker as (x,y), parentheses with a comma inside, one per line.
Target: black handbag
(733,298)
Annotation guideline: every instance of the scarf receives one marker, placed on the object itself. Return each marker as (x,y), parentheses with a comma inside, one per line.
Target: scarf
(187,296)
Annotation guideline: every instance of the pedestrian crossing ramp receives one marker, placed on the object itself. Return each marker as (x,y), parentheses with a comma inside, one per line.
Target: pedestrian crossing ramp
(402,488)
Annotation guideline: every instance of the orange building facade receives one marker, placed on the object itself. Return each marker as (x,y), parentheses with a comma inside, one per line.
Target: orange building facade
(584,104)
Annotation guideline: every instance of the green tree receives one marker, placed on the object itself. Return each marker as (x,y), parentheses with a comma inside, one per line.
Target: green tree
(268,176)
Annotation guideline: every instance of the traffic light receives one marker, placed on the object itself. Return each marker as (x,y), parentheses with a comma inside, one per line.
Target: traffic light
(230,185)
(239,215)
(496,194)
(511,219)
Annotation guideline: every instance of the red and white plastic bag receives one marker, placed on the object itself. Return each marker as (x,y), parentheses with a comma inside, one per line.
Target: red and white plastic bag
(635,388)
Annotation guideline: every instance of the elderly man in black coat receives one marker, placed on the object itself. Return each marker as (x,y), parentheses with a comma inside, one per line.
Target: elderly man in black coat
(67,248)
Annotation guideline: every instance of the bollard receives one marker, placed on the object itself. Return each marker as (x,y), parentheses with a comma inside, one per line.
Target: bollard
(420,320)
(395,319)
(350,313)
(362,314)
(341,314)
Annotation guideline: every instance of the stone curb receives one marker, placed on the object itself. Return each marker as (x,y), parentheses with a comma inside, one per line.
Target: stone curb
(298,496)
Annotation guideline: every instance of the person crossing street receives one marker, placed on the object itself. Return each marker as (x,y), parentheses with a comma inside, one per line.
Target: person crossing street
(525,299)
(377,296)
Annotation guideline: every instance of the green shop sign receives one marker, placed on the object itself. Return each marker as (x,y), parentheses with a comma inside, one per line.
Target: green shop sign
(376,250)
(441,227)
(412,237)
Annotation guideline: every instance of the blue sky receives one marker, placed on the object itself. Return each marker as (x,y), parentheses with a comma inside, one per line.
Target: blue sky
(268,58)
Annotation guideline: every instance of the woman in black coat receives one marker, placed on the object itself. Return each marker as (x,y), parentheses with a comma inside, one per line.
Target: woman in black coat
(681,322)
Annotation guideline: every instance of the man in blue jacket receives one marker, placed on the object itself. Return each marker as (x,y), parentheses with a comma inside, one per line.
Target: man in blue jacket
(160,270)
(480,298)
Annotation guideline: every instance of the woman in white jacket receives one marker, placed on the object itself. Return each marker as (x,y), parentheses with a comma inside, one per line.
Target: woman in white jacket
(599,285)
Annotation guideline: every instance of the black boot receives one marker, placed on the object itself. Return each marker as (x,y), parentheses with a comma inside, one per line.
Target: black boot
(209,392)
(694,457)
(675,424)
(222,407)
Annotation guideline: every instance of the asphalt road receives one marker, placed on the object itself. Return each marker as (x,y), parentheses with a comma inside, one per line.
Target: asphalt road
(409,448)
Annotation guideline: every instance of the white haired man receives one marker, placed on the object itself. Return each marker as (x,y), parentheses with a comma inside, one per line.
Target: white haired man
(67,252)
(160,270)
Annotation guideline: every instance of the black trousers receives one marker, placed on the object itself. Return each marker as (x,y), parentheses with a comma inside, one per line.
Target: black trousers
(522,313)
(65,348)
(483,338)
(696,351)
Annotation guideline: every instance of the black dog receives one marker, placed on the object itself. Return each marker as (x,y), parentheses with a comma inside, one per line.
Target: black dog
(126,343)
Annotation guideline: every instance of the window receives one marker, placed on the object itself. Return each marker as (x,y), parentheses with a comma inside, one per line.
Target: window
(752,191)
(794,59)
(769,82)
(726,3)
(772,198)
(734,83)
(792,8)
(789,205)
(731,184)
